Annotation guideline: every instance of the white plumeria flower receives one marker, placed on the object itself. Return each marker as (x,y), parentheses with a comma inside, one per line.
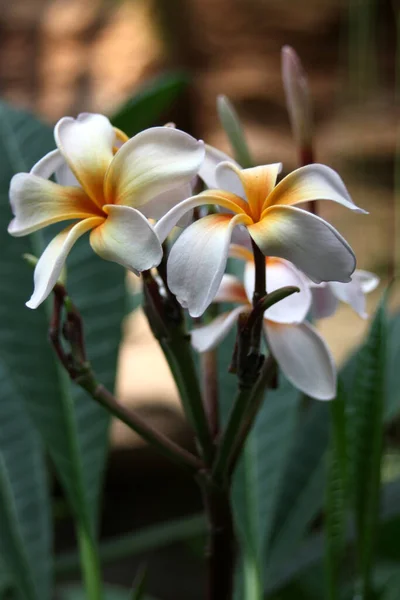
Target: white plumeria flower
(251,198)
(298,348)
(109,185)
(326,296)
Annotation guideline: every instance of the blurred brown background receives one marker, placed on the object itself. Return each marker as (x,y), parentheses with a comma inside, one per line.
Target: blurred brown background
(61,57)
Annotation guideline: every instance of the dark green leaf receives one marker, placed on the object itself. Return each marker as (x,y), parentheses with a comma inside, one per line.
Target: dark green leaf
(73,428)
(147,107)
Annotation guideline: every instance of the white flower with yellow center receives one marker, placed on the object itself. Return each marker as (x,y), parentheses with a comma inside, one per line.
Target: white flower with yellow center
(299,350)
(107,184)
(251,198)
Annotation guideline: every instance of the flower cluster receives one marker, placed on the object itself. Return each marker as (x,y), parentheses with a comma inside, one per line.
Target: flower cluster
(131,193)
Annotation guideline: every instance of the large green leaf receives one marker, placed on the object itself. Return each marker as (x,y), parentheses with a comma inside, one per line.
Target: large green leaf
(25,539)
(150,103)
(365,432)
(72,426)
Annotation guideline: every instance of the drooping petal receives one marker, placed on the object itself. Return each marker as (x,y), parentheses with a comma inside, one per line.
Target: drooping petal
(127,238)
(312,182)
(253,184)
(51,262)
(367,280)
(211,160)
(309,242)
(324,301)
(225,199)
(280,273)
(304,358)
(209,336)
(231,290)
(38,202)
(87,146)
(197,261)
(154,161)
(350,293)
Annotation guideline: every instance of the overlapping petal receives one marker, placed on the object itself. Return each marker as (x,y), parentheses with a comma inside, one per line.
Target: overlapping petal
(304,358)
(231,289)
(52,260)
(87,146)
(209,336)
(312,182)
(37,202)
(127,238)
(54,163)
(280,273)
(225,199)
(324,302)
(197,261)
(366,280)
(161,204)
(154,161)
(309,242)
(212,158)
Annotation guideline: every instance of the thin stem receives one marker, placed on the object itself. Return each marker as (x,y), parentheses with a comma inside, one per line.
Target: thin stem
(209,371)
(221,543)
(157,439)
(90,563)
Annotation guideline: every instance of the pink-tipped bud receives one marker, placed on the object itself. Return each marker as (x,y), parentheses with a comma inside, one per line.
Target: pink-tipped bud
(297,98)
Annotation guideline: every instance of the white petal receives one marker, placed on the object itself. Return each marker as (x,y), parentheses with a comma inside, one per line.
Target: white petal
(218,197)
(209,336)
(38,202)
(87,145)
(304,358)
(54,163)
(127,238)
(231,290)
(367,280)
(280,273)
(227,178)
(312,182)
(154,161)
(211,160)
(324,301)
(309,242)
(161,204)
(51,262)
(197,261)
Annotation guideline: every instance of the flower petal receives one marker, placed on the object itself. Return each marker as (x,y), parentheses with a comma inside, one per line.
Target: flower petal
(309,242)
(312,182)
(54,163)
(304,358)
(127,238)
(209,336)
(154,161)
(51,262)
(161,204)
(37,202)
(367,280)
(324,301)
(219,197)
(280,273)
(350,293)
(231,290)
(87,146)
(211,160)
(197,261)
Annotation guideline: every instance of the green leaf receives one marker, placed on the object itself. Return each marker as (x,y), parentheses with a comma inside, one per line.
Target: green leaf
(233,128)
(336,496)
(75,592)
(25,540)
(73,428)
(147,107)
(365,431)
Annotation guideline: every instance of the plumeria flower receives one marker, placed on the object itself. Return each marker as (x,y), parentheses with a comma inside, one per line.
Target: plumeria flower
(251,198)
(326,296)
(298,348)
(106,184)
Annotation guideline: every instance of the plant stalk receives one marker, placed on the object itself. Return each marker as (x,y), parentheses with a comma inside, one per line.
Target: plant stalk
(90,563)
